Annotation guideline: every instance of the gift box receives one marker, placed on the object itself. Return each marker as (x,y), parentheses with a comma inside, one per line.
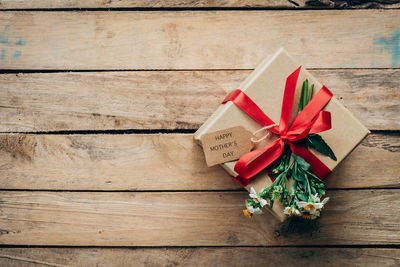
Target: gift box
(265,86)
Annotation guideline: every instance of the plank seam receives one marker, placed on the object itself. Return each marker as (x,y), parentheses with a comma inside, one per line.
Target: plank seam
(115,132)
(145,131)
(238,190)
(177,9)
(387,246)
(12,71)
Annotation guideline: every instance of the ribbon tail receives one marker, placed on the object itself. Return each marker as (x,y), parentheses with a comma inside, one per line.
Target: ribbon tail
(317,166)
(287,104)
(312,109)
(321,123)
(252,163)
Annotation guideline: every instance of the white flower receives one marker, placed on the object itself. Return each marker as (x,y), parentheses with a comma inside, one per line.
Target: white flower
(308,206)
(250,210)
(315,215)
(263,202)
(254,195)
(254,210)
(316,198)
(291,211)
(313,208)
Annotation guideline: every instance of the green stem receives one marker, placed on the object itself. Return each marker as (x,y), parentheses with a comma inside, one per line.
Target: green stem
(308,185)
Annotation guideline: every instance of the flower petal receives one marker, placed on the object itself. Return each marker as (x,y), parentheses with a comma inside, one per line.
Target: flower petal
(263,202)
(253,191)
(316,198)
(319,205)
(301,204)
(257,211)
(286,210)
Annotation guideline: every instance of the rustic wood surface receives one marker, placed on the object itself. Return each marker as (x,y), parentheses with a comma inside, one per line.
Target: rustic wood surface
(223,256)
(188,219)
(125,162)
(97,162)
(49,4)
(165,99)
(199,40)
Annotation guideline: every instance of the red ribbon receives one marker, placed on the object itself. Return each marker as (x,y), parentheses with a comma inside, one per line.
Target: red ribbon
(310,120)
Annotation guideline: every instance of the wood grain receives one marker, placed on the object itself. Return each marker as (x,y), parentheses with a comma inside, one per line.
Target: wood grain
(48,4)
(198,40)
(188,219)
(168,99)
(243,256)
(342,41)
(159,162)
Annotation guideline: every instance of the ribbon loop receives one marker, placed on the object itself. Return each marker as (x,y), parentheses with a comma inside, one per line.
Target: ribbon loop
(247,105)
(310,120)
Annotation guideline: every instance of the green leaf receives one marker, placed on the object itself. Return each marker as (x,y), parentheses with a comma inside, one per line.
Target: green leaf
(271,203)
(310,93)
(314,176)
(301,103)
(316,142)
(294,187)
(301,196)
(297,178)
(251,202)
(305,96)
(301,185)
(313,190)
(301,162)
(301,99)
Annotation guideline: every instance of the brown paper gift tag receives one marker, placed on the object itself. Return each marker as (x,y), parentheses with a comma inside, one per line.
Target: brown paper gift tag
(226,145)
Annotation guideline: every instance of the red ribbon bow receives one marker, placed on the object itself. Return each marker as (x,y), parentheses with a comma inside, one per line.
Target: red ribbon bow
(310,120)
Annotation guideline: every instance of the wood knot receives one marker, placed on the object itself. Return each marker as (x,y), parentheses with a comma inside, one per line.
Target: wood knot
(19,146)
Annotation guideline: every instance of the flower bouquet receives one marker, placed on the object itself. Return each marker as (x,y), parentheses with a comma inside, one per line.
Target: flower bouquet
(303,198)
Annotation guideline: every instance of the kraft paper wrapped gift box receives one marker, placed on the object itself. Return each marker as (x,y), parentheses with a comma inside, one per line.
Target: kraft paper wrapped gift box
(265,86)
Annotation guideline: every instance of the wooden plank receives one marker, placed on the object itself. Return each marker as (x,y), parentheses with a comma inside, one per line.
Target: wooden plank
(198,40)
(159,162)
(48,4)
(188,219)
(24,4)
(168,99)
(222,256)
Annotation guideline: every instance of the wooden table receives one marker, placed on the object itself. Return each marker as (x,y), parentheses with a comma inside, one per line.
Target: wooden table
(98,103)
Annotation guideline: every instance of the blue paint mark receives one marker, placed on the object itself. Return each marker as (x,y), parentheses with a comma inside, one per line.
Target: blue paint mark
(20,42)
(4,35)
(391,45)
(17,54)
(8,37)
